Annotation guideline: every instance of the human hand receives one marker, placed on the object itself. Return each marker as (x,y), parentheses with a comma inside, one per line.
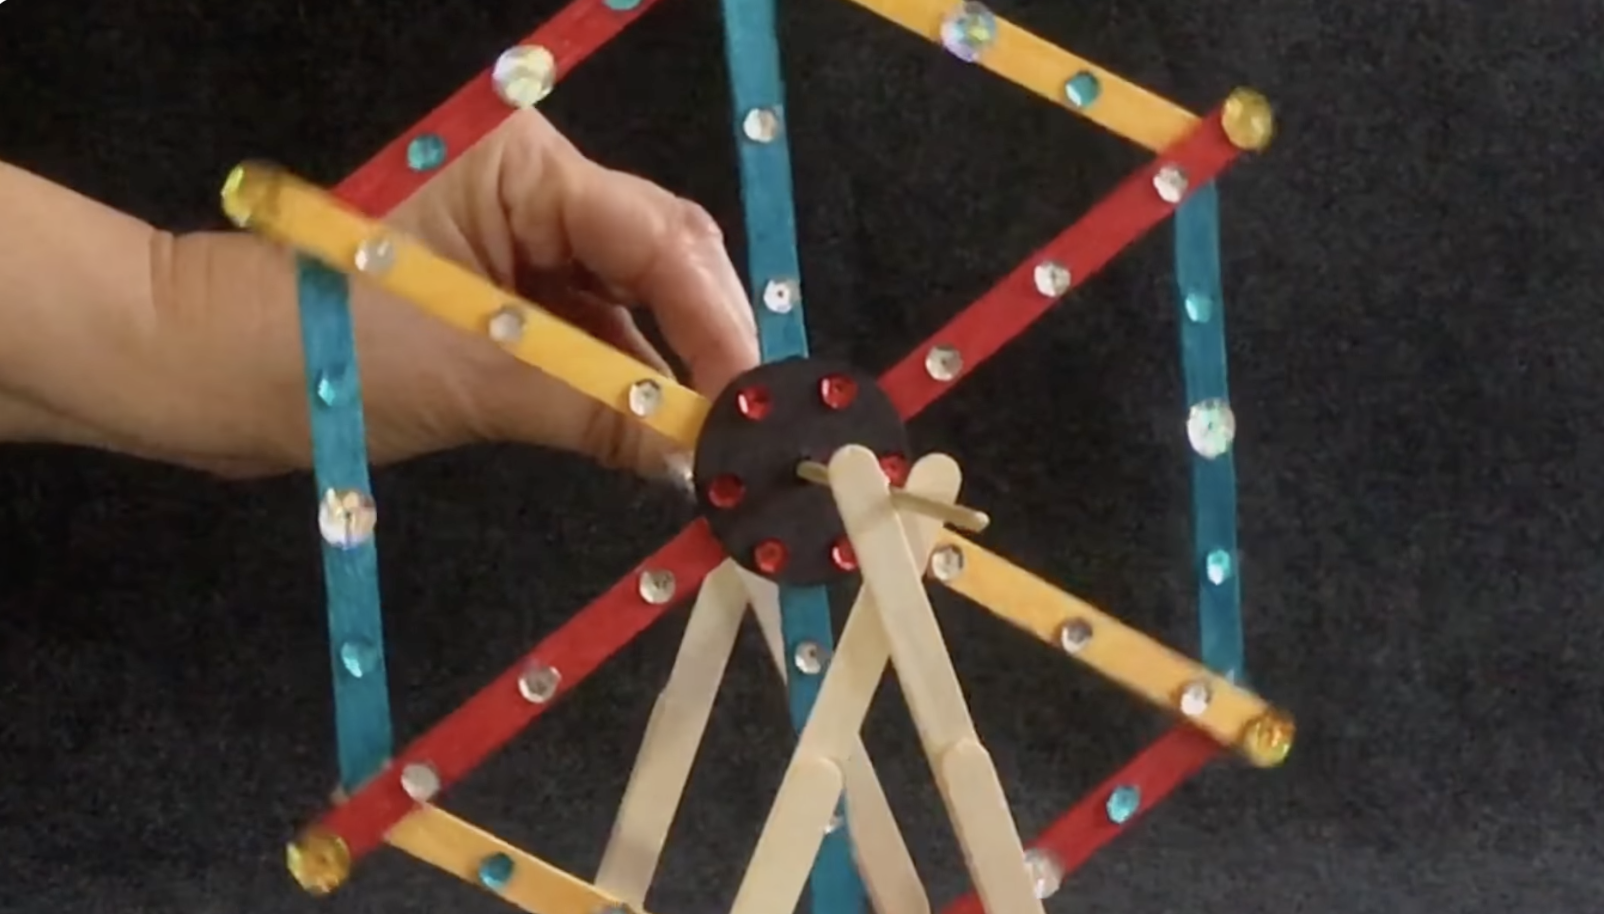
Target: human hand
(212,377)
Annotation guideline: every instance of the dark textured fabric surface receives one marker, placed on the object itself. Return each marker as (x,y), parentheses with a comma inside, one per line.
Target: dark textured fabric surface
(1413,277)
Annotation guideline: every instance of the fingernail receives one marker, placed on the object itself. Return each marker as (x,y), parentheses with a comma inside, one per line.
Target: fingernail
(678,471)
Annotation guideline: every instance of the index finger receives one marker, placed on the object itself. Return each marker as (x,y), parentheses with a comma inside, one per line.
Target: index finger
(660,249)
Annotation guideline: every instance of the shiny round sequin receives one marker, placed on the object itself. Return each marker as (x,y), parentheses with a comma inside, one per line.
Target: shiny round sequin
(656,586)
(375,255)
(754,402)
(319,861)
(810,658)
(1247,120)
(1171,183)
(1052,278)
(1195,698)
(968,31)
(420,781)
(346,518)
(1123,803)
(725,491)
(645,397)
(426,152)
(1046,873)
(943,363)
(770,556)
(1217,566)
(1211,427)
(1082,90)
(538,682)
(947,563)
(842,555)
(1268,739)
(359,657)
(761,125)
(495,871)
(781,295)
(1199,308)
(1074,635)
(837,391)
(506,326)
(524,75)
(249,187)
(332,387)
(896,468)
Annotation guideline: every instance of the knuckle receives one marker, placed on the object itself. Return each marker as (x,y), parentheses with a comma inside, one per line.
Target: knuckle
(697,224)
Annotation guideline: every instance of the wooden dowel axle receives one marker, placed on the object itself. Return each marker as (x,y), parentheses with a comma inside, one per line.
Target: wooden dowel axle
(956,516)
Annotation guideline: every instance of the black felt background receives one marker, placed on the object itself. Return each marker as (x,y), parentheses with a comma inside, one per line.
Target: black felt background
(1413,278)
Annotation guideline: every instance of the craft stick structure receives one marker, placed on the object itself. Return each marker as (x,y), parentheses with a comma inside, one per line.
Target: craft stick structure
(804,476)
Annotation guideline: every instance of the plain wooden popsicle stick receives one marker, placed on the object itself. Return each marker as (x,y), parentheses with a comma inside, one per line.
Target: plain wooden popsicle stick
(673,735)
(963,770)
(795,827)
(887,867)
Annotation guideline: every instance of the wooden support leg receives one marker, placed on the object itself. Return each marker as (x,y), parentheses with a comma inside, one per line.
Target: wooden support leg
(965,775)
(889,875)
(815,778)
(673,734)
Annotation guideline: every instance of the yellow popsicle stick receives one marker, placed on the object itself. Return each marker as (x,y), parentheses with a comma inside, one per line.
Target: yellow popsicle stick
(273,203)
(438,838)
(1036,64)
(1231,714)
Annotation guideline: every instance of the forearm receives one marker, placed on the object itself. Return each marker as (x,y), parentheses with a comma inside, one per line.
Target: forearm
(77,291)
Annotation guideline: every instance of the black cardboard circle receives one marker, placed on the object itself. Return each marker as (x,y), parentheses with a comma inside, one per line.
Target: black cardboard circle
(763,454)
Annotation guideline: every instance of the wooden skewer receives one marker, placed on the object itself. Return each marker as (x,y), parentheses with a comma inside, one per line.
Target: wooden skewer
(957,516)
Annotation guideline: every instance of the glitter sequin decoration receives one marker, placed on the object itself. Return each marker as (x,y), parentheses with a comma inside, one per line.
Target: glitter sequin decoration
(524,75)
(426,152)
(968,31)
(350,561)
(1123,803)
(1082,90)
(495,871)
(757,88)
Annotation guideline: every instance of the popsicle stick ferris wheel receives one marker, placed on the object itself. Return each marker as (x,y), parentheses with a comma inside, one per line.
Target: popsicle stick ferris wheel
(804,476)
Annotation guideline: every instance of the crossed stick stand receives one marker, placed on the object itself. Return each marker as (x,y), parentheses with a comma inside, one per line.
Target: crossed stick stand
(892,533)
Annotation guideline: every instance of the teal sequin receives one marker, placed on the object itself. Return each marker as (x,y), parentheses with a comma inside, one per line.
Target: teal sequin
(1082,90)
(1198,308)
(623,6)
(426,152)
(359,658)
(495,871)
(331,388)
(1123,803)
(1218,566)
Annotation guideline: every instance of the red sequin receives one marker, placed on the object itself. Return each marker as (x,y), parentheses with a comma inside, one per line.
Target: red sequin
(838,391)
(726,491)
(895,466)
(754,403)
(842,555)
(770,556)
